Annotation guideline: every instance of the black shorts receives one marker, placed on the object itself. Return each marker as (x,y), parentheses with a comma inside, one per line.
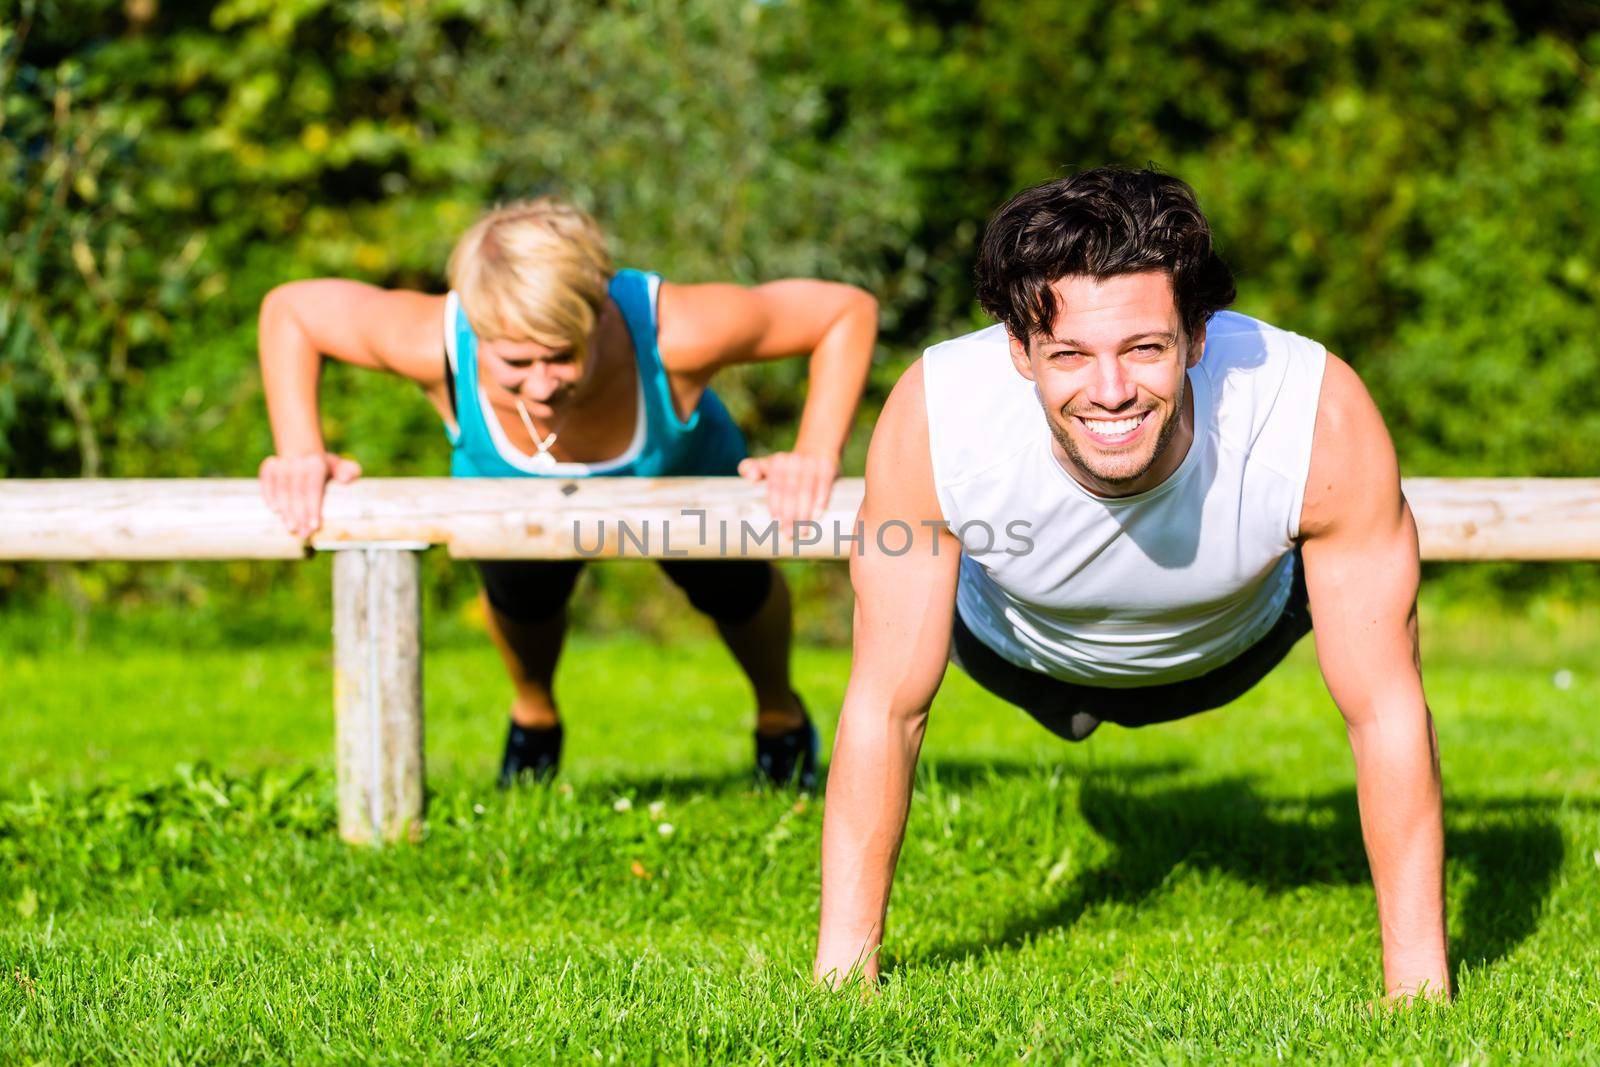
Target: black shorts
(1054,702)
(730,591)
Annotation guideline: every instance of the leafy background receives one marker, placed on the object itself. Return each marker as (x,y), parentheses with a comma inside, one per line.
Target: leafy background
(1412,183)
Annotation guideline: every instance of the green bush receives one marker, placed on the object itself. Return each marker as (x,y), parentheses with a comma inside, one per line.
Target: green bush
(1411,183)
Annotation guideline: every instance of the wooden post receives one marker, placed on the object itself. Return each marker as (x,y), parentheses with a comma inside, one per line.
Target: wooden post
(377,692)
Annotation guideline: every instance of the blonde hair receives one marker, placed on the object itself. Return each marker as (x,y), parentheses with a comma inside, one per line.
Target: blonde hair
(534,269)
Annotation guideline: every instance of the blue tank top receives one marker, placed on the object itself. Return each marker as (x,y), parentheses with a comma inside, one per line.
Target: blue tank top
(707,443)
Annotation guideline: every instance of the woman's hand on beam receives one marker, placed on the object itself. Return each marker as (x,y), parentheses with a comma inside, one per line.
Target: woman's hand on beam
(292,487)
(798,483)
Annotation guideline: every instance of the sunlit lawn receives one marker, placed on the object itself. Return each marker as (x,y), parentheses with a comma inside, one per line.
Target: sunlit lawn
(171,887)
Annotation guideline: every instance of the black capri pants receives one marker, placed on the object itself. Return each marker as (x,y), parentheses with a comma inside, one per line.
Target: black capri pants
(1058,705)
(730,591)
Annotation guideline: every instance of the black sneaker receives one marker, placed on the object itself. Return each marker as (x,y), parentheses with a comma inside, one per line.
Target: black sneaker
(789,758)
(532,753)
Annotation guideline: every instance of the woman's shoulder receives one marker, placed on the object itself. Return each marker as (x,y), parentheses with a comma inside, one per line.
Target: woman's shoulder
(698,325)
(399,330)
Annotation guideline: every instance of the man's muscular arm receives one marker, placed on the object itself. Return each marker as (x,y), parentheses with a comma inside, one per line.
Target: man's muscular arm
(904,607)
(1360,549)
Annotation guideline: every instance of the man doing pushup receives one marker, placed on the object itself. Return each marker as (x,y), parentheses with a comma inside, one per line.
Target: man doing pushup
(1129,504)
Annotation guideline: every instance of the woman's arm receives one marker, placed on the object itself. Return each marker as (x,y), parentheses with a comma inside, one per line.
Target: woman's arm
(397,331)
(707,327)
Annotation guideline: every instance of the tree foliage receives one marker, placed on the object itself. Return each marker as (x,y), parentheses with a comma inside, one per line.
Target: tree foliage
(1413,184)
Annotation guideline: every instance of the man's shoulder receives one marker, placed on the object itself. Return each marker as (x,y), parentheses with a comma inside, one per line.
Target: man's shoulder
(1354,469)
(978,360)
(989,339)
(1264,380)
(973,374)
(1238,343)
(980,409)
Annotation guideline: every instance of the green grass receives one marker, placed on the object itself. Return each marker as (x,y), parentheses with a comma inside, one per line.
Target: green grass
(171,888)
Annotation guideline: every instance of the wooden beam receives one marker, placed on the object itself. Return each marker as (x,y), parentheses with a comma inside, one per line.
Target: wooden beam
(531,518)
(377,694)
(140,518)
(1506,518)
(1459,519)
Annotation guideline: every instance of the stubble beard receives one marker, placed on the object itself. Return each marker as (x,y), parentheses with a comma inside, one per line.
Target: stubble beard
(1169,429)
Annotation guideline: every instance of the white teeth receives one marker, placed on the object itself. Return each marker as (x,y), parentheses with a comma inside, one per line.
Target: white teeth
(1113,427)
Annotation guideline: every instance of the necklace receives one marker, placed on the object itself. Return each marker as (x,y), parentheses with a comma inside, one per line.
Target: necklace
(542,457)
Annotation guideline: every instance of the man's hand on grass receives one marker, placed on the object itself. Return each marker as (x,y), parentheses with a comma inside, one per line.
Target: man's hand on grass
(1406,994)
(861,977)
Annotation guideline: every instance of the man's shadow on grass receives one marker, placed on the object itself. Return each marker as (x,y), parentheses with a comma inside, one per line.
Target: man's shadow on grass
(1511,850)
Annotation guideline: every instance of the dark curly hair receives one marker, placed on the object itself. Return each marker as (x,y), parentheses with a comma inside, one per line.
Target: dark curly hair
(1100,222)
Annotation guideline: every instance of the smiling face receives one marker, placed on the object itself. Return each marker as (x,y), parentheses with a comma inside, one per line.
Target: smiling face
(1111,377)
(537,374)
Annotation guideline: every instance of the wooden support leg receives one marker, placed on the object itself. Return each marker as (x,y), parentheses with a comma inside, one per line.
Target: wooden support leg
(377,684)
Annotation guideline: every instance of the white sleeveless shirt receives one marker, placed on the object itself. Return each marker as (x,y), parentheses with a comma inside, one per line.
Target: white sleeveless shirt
(1139,590)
